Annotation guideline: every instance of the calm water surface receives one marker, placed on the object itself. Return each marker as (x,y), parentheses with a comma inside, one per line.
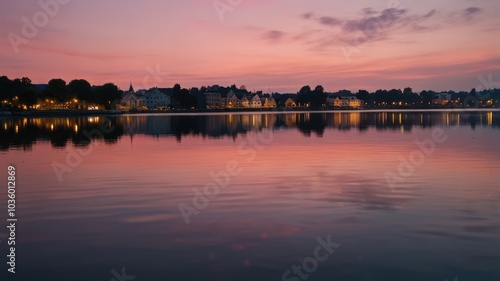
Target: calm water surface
(87,207)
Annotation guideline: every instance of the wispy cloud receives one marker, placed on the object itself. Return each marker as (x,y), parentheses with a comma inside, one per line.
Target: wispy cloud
(470,12)
(274,35)
(371,25)
(308,15)
(369,11)
(374,25)
(329,21)
(384,19)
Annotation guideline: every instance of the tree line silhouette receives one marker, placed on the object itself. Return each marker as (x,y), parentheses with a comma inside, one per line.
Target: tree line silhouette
(21,91)
(24,92)
(400,98)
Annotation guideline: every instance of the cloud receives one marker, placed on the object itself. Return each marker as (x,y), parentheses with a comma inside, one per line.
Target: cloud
(429,14)
(274,35)
(373,24)
(471,12)
(307,15)
(382,20)
(329,21)
(369,25)
(369,11)
(466,16)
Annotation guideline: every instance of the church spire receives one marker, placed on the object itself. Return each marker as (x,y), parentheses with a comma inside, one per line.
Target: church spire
(131,89)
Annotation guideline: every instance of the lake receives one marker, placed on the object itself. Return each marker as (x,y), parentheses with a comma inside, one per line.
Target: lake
(271,196)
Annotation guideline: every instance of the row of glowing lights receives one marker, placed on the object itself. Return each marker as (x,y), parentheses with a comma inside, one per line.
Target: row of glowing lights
(16,128)
(354,119)
(52,102)
(490,101)
(51,128)
(351,119)
(46,100)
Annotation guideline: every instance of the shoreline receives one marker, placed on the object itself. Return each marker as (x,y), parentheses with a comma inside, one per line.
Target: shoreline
(59,113)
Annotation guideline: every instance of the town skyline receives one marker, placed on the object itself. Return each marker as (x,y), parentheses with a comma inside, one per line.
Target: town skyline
(79,94)
(261,44)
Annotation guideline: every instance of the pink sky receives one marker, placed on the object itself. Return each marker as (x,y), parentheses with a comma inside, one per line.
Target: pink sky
(263,44)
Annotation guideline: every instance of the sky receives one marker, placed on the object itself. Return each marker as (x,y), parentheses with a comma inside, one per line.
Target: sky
(269,45)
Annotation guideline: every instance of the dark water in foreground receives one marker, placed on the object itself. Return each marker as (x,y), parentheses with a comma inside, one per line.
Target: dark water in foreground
(287,184)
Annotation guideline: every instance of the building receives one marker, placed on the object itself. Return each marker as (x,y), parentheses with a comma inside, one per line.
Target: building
(133,100)
(255,102)
(142,99)
(214,99)
(349,101)
(235,97)
(245,102)
(233,101)
(355,102)
(330,100)
(442,98)
(268,102)
(156,99)
(290,103)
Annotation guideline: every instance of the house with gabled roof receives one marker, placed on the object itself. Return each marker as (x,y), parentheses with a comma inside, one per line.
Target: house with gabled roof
(235,97)
(290,103)
(344,101)
(245,102)
(233,101)
(268,102)
(131,99)
(156,98)
(255,102)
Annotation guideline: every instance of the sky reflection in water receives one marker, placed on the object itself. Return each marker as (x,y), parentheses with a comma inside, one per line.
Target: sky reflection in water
(322,174)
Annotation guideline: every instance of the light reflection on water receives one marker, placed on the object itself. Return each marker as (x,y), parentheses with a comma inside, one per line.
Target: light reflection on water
(322,174)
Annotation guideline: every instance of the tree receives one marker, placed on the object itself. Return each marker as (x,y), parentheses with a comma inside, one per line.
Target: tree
(28,97)
(26,82)
(305,90)
(319,89)
(5,85)
(344,93)
(11,88)
(107,94)
(303,96)
(81,89)
(318,97)
(194,91)
(410,97)
(381,96)
(6,88)
(363,95)
(57,90)
(395,95)
(186,100)
(427,96)
(177,89)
